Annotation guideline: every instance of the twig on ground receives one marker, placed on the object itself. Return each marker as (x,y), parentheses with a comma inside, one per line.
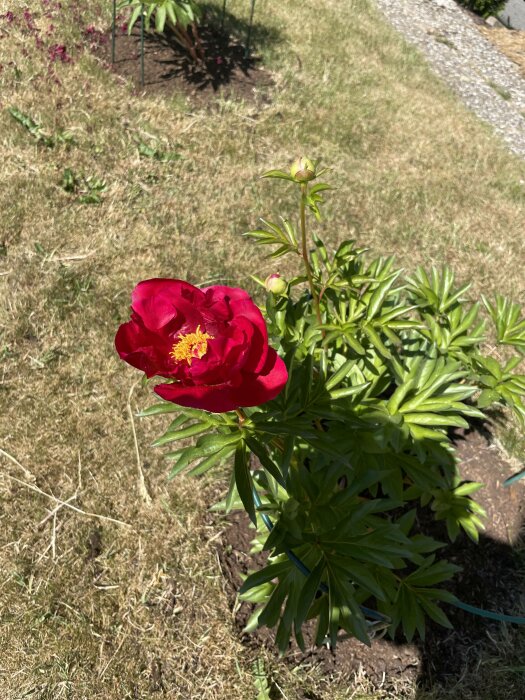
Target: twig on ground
(143,490)
(54,538)
(52,513)
(66,504)
(101,674)
(27,473)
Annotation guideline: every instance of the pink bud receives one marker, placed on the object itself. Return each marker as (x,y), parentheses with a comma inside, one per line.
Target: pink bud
(276,284)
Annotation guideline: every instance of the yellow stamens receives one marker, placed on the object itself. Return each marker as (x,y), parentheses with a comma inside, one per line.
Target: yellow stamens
(191,346)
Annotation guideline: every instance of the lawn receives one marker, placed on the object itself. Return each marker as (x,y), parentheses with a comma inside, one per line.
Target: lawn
(105,610)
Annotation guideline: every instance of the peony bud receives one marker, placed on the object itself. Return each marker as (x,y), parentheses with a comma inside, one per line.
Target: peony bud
(276,284)
(302,169)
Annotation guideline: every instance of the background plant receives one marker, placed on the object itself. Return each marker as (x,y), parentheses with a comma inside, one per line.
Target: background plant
(485,8)
(343,465)
(181,16)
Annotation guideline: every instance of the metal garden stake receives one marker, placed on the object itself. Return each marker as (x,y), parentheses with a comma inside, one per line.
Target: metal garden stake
(113,31)
(142,45)
(249,35)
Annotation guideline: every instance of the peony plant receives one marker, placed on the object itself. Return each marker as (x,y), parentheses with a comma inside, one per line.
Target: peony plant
(335,404)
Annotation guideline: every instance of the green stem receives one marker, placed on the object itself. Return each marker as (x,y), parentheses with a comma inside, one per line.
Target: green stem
(242,416)
(304,191)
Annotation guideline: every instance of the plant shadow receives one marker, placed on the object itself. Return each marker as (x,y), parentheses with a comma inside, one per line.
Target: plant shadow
(479,657)
(492,579)
(255,37)
(223,58)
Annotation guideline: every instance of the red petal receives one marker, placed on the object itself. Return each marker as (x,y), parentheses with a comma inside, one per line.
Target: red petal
(221,360)
(217,398)
(253,390)
(142,349)
(259,388)
(242,307)
(159,301)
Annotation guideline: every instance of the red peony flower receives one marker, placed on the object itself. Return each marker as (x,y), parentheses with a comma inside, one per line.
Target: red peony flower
(211,342)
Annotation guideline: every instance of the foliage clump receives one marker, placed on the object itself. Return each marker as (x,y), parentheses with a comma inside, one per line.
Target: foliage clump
(182,17)
(485,8)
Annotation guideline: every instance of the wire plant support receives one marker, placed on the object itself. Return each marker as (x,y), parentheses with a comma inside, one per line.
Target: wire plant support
(249,35)
(113,29)
(142,45)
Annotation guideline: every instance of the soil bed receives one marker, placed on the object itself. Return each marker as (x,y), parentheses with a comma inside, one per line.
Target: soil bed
(492,578)
(168,69)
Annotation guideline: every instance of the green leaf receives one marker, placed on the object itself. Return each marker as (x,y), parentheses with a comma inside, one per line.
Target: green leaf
(348,391)
(362,574)
(215,442)
(185,458)
(340,375)
(160,18)
(259,450)
(431,573)
(211,461)
(172,17)
(399,396)
(231,495)
(435,612)
(172,436)
(455,297)
(134,17)
(354,343)
(244,482)
(467,488)
(308,593)
(158,408)
(378,297)
(278,174)
(272,610)
(422,433)
(320,187)
(268,573)
(435,419)
(375,338)
(488,397)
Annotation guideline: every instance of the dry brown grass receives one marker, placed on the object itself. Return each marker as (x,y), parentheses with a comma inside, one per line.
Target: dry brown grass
(92,609)
(509,42)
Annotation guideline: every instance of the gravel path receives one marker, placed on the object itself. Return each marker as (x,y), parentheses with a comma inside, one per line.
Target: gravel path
(486,80)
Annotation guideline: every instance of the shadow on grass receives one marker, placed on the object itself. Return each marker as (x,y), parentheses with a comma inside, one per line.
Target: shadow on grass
(477,656)
(259,36)
(224,57)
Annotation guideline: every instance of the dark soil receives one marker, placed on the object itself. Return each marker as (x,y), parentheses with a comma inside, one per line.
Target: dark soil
(168,68)
(492,578)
